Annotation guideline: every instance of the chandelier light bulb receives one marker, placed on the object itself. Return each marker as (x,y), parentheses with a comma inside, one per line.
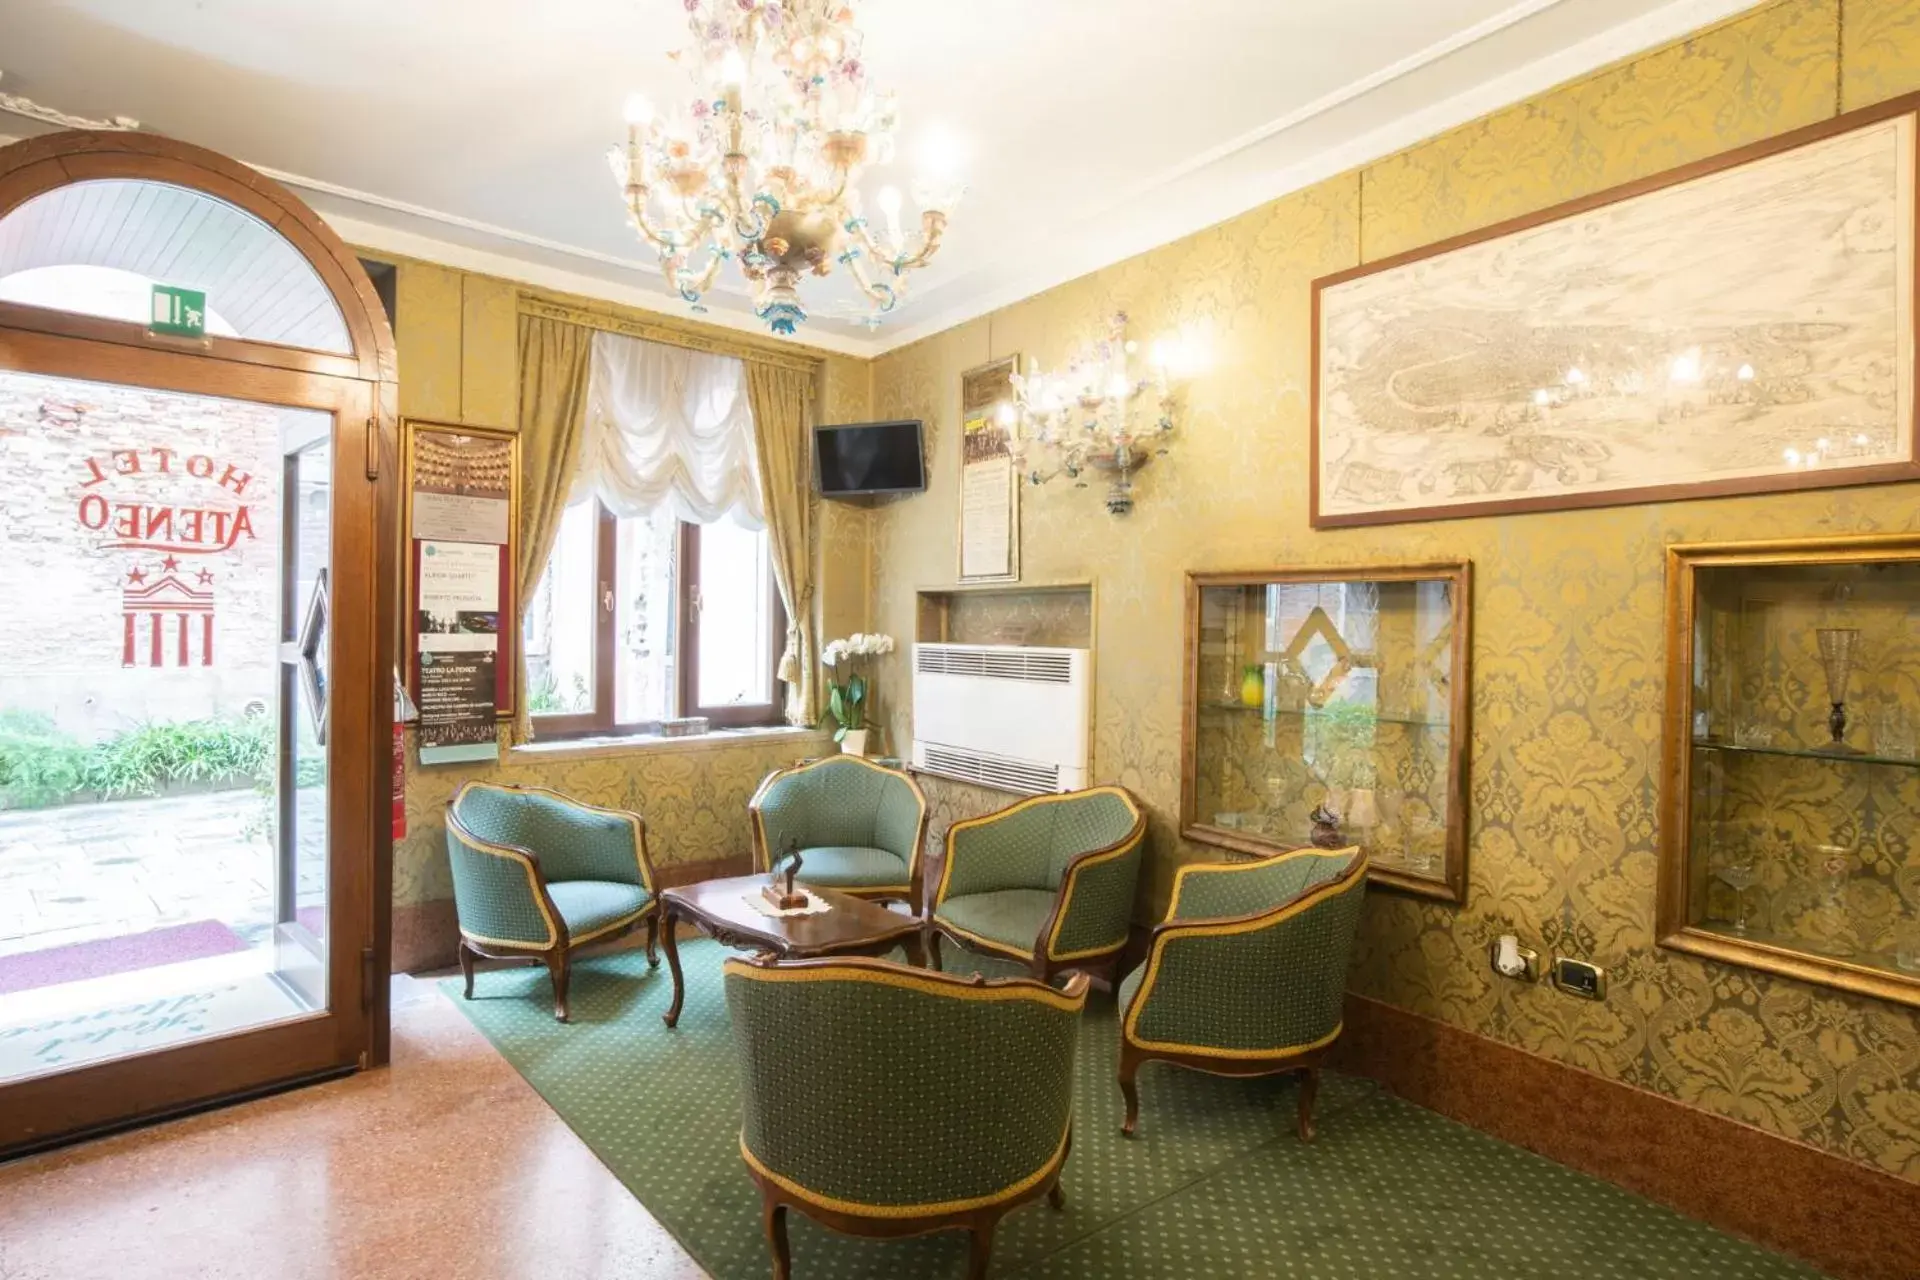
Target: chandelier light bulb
(639,110)
(889,201)
(733,69)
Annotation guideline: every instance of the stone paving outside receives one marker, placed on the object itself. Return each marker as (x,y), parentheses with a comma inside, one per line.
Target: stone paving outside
(80,872)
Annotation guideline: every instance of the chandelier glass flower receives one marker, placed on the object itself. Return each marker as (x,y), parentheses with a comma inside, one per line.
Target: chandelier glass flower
(764,164)
(1100,412)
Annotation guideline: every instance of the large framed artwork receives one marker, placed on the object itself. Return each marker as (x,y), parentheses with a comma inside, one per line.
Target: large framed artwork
(1739,325)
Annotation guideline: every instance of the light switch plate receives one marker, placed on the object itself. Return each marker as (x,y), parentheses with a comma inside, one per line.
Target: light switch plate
(1578,978)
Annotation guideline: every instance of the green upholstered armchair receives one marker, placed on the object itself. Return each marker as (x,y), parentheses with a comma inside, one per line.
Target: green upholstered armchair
(1247,974)
(536,875)
(1048,881)
(858,826)
(887,1101)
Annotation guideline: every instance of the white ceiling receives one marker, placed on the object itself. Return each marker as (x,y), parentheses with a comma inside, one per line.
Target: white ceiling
(471,131)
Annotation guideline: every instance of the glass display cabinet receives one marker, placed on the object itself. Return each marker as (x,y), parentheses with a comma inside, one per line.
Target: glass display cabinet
(1792,783)
(1329,707)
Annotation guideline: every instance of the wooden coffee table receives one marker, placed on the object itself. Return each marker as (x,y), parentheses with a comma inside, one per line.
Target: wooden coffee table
(718,908)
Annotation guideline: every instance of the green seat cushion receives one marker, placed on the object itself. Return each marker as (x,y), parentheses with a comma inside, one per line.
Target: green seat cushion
(851,866)
(1123,998)
(587,905)
(1010,917)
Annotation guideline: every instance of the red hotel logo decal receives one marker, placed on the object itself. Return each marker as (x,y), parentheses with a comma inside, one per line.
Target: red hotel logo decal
(181,530)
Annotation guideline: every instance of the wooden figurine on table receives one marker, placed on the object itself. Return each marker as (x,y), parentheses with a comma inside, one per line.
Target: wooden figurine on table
(780,890)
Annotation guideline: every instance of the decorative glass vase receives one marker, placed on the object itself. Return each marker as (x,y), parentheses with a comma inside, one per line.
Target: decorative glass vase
(1836,663)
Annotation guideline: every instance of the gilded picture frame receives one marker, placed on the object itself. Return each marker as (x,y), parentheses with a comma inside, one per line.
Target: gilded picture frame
(1866,793)
(1680,336)
(1445,732)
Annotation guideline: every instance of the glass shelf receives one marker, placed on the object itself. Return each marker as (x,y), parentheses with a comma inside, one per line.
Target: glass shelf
(1806,753)
(1295,713)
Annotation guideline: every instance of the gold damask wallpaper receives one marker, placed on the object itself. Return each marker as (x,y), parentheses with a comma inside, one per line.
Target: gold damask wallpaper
(1567,661)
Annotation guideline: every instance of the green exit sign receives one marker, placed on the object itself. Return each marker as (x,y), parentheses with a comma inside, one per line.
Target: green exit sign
(178,313)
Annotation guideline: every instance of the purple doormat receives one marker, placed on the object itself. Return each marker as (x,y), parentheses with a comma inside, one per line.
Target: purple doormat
(81,960)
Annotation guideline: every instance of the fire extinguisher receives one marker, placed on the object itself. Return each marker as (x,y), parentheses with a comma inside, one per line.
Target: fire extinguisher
(404,714)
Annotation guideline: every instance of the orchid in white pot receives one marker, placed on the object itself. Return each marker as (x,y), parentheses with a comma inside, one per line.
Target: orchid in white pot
(850,688)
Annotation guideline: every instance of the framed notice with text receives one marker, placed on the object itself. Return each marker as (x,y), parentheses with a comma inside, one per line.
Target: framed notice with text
(989,481)
(462,510)
(1743,324)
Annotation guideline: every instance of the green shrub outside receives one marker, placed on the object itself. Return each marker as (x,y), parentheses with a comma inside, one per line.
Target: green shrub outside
(42,765)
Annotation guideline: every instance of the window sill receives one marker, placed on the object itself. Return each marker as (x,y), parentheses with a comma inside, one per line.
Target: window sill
(651,743)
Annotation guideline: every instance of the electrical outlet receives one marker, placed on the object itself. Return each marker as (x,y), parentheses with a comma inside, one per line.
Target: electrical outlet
(1578,978)
(1522,964)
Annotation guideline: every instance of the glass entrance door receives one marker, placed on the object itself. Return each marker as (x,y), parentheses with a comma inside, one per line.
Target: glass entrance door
(181,911)
(300,845)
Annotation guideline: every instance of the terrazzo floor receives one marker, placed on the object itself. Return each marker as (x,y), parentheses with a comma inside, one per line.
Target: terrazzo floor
(447,1166)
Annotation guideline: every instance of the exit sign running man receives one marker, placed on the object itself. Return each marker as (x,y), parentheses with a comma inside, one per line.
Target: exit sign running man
(178,313)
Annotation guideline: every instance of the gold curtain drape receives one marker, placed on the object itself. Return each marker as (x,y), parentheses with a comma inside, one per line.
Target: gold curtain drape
(782,400)
(553,411)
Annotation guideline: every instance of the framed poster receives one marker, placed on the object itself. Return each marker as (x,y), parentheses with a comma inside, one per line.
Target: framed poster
(989,481)
(462,509)
(1739,325)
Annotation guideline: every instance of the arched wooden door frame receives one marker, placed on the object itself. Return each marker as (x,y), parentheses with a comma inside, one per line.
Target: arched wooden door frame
(360,389)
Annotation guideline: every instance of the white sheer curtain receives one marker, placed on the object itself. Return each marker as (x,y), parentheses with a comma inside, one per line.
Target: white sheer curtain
(667,426)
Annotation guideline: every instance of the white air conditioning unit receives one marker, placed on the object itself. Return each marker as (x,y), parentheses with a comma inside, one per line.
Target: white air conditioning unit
(1003,716)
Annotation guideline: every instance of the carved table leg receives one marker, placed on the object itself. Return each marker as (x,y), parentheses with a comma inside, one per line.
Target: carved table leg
(916,950)
(672,949)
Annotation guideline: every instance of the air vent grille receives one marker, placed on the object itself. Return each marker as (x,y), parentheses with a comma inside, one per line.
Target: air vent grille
(1034,666)
(987,770)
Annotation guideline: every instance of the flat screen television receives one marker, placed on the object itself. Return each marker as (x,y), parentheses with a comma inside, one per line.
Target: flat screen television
(868,457)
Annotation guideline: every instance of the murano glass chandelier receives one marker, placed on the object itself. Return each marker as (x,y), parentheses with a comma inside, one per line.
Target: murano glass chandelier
(1101,412)
(764,164)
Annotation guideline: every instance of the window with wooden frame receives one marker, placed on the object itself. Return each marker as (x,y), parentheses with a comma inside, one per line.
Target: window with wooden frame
(639,620)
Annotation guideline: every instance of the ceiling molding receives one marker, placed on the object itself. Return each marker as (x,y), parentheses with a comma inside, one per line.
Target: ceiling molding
(1649,31)
(1178,202)
(377,238)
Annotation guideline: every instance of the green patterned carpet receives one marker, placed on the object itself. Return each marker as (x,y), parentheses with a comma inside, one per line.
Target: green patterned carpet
(1216,1186)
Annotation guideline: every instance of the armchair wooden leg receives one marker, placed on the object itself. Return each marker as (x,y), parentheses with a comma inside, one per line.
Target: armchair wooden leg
(558,965)
(653,940)
(774,1216)
(467,957)
(1309,1087)
(933,948)
(1056,1197)
(1129,1068)
(981,1252)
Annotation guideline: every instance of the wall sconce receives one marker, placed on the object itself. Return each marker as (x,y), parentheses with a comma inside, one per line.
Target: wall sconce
(1100,412)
